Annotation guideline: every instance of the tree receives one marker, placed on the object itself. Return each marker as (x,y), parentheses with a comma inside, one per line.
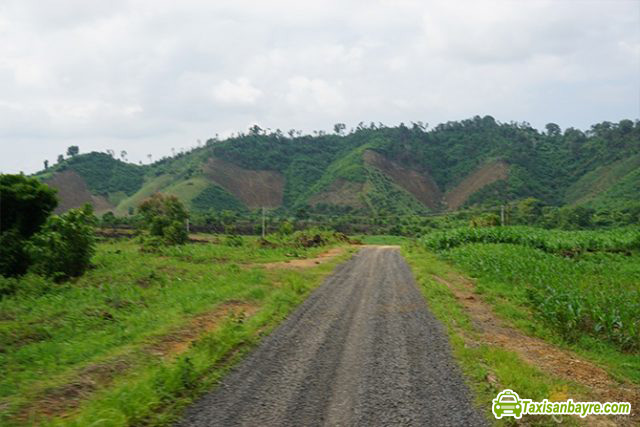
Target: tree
(123,155)
(60,158)
(164,219)
(73,150)
(65,244)
(553,129)
(111,153)
(338,128)
(149,156)
(26,204)
(46,164)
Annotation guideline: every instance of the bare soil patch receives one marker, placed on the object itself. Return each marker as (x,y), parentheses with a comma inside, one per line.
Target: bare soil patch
(255,188)
(340,193)
(63,399)
(478,179)
(302,263)
(418,184)
(73,193)
(536,352)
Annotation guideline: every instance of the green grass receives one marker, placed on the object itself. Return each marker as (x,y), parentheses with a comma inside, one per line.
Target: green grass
(588,301)
(150,186)
(480,361)
(51,333)
(552,241)
(598,181)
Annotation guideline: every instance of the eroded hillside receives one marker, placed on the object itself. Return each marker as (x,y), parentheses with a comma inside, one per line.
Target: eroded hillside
(372,170)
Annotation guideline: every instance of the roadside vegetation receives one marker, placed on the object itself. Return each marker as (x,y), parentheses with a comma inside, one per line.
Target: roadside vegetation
(127,331)
(576,290)
(141,333)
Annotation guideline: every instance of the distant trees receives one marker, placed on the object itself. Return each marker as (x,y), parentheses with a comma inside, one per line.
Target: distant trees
(46,164)
(553,129)
(164,220)
(60,158)
(339,128)
(123,155)
(73,150)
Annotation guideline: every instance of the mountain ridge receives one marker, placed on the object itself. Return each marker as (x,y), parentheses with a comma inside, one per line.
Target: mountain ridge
(374,169)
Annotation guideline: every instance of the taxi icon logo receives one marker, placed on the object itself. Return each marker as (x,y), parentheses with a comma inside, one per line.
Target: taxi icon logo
(507,404)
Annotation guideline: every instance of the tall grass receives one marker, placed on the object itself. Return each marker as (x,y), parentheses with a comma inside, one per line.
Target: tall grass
(553,241)
(595,291)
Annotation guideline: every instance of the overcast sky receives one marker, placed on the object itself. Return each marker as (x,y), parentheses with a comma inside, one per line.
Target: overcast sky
(146,76)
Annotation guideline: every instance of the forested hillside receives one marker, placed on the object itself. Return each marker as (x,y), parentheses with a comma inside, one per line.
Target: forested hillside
(373,169)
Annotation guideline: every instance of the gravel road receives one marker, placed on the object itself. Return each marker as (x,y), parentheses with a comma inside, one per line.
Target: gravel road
(362,350)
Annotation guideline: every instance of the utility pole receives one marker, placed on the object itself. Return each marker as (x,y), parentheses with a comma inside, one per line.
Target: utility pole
(263,222)
(502,215)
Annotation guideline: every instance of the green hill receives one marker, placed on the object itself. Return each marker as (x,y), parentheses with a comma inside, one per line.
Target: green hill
(373,170)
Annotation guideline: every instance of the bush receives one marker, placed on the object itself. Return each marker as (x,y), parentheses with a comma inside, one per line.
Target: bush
(26,204)
(163,220)
(486,220)
(65,244)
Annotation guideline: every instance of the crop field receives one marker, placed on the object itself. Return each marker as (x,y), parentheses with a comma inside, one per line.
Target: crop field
(580,289)
(141,333)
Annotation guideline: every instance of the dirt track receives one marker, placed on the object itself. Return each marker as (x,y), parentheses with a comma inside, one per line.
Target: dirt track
(361,350)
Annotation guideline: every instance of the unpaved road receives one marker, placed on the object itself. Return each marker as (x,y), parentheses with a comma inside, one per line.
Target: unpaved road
(362,350)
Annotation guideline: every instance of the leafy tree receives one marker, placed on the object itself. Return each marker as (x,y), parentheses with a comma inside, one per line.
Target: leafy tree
(60,158)
(338,128)
(46,164)
(123,155)
(65,244)
(108,218)
(164,219)
(553,129)
(26,203)
(73,150)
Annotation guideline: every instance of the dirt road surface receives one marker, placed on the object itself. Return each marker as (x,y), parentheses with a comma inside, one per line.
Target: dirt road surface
(362,350)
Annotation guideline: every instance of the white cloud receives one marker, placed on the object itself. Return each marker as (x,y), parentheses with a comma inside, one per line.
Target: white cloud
(238,92)
(314,95)
(148,75)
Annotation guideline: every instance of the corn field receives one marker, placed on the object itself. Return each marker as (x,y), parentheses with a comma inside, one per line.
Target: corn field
(578,283)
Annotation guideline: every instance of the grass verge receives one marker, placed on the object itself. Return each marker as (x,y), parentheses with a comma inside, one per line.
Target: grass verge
(114,348)
(488,368)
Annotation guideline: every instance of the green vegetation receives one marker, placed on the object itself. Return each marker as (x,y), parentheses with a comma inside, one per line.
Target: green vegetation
(102,173)
(142,334)
(552,241)
(579,288)
(216,198)
(32,240)
(64,246)
(488,368)
(26,204)
(596,168)
(164,221)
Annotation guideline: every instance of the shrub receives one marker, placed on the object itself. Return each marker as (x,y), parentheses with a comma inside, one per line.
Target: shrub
(65,244)
(163,219)
(486,220)
(26,204)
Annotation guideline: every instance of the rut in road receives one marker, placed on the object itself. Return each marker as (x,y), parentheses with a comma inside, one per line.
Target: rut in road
(362,350)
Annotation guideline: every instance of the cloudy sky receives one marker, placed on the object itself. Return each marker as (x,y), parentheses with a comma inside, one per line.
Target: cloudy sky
(149,76)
